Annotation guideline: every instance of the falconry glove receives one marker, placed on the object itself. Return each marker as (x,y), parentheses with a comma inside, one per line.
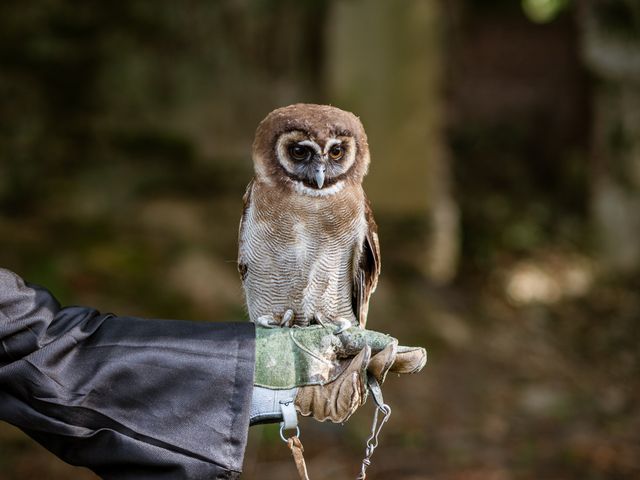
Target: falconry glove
(323,374)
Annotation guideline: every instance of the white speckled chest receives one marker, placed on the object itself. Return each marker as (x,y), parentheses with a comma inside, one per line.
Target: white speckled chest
(300,252)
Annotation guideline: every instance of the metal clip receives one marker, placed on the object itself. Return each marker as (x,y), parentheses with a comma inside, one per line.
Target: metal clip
(285,439)
(372,441)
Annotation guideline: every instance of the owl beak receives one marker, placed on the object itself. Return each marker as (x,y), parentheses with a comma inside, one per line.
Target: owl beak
(319,177)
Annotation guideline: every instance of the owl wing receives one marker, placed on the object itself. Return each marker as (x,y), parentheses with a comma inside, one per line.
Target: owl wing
(246,201)
(368,268)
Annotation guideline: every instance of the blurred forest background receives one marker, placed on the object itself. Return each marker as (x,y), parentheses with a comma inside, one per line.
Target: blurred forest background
(505,180)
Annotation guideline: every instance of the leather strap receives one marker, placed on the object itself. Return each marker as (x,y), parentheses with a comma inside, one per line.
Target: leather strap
(296,450)
(375,390)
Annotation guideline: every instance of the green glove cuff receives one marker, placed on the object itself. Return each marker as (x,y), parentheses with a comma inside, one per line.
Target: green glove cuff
(295,357)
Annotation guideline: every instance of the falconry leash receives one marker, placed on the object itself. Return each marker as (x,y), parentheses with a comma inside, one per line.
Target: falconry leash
(290,422)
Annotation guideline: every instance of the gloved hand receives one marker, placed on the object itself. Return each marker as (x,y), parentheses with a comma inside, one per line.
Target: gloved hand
(323,373)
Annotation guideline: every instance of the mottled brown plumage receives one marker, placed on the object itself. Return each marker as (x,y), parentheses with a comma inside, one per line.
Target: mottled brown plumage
(308,241)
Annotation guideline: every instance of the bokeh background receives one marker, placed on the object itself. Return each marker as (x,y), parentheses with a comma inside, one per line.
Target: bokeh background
(505,179)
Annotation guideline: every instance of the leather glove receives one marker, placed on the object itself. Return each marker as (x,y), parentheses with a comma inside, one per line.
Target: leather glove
(325,374)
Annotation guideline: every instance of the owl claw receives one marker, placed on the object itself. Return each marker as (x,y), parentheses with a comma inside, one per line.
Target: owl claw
(318,317)
(287,318)
(267,321)
(271,321)
(342,324)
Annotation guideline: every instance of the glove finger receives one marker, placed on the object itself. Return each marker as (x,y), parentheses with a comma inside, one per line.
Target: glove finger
(409,360)
(338,400)
(353,340)
(382,361)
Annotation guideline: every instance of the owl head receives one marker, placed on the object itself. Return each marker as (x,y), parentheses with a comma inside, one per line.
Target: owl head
(312,148)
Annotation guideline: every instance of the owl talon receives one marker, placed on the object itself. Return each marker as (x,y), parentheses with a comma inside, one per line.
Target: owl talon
(287,318)
(318,317)
(342,324)
(267,321)
(272,321)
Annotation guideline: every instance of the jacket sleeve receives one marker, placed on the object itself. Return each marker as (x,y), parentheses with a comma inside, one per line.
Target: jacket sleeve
(126,397)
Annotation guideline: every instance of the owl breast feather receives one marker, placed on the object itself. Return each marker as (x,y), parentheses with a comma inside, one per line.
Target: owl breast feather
(300,255)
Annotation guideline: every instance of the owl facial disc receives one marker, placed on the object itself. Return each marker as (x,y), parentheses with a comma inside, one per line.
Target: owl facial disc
(315,163)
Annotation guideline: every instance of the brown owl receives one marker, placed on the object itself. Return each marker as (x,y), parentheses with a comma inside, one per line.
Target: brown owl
(308,250)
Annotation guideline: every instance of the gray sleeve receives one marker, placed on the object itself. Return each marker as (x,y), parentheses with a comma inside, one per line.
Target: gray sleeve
(126,397)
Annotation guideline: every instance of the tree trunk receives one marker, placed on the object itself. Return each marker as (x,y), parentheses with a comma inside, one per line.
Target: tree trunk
(384,62)
(611,48)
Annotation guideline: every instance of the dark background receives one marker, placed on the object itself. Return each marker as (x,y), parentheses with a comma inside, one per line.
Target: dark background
(505,180)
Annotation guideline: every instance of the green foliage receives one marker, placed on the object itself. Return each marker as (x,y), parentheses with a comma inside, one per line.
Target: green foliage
(544,11)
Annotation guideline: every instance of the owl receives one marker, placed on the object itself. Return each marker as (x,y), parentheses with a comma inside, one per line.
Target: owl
(308,246)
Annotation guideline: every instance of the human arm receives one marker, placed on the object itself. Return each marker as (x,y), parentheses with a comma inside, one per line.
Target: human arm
(126,397)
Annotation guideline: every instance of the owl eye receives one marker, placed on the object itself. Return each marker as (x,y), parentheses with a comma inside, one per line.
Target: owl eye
(336,152)
(299,152)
